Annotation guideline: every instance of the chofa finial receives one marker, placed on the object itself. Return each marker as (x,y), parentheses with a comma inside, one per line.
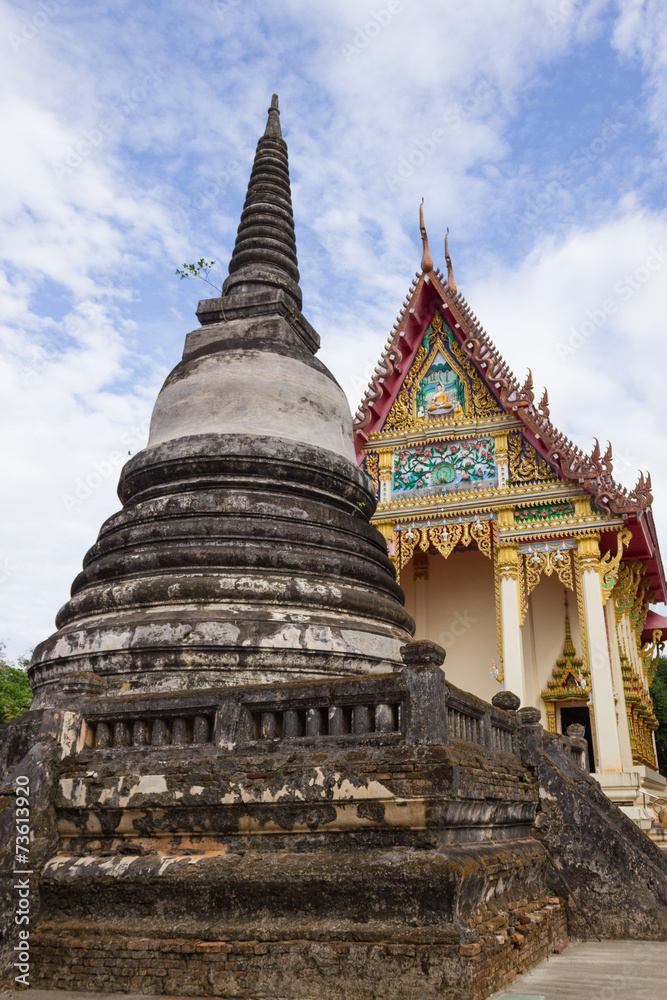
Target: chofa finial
(273,123)
(450,270)
(427,260)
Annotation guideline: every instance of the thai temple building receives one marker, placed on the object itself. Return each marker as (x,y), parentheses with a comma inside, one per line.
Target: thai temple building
(516,552)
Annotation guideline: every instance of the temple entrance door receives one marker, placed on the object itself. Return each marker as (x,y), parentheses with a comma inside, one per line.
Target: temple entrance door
(571,714)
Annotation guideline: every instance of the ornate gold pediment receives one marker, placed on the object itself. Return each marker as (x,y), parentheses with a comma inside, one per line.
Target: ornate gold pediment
(441,383)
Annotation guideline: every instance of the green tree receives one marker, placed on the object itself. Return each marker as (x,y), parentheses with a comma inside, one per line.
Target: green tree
(659,695)
(15,690)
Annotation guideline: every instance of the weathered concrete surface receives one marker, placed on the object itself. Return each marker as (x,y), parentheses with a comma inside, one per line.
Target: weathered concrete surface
(253,392)
(611,875)
(39,766)
(622,970)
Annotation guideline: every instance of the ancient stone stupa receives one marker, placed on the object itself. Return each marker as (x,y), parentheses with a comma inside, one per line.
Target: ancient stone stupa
(243,551)
(243,778)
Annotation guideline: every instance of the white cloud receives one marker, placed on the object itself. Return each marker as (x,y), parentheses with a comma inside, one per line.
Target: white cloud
(586,314)
(93,315)
(641,33)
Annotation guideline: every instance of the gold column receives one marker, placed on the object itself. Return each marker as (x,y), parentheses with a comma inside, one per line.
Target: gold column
(508,598)
(502,458)
(599,661)
(386,529)
(582,507)
(385,465)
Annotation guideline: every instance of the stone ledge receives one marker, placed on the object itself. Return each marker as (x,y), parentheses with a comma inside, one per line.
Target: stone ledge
(330,969)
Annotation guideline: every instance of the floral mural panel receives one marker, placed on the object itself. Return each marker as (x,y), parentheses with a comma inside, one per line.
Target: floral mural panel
(449,465)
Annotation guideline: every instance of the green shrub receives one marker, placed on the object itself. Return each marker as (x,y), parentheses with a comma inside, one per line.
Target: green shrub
(15,690)
(659,695)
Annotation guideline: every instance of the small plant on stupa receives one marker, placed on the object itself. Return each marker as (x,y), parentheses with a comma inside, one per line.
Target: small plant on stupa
(201,269)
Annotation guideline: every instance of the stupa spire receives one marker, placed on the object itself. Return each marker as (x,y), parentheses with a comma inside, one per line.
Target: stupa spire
(264,255)
(273,123)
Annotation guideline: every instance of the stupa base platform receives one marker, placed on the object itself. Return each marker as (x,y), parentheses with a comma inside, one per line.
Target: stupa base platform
(381,836)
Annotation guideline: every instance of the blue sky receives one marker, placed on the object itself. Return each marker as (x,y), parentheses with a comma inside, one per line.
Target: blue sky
(534,129)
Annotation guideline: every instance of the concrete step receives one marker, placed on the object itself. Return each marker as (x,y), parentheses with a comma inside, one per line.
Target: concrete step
(658,835)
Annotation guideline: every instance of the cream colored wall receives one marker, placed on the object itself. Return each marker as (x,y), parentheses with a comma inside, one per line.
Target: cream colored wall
(455,607)
(544,635)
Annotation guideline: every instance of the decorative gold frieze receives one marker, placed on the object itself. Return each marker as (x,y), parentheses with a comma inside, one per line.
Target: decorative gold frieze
(548,562)
(451,535)
(443,538)
(525,464)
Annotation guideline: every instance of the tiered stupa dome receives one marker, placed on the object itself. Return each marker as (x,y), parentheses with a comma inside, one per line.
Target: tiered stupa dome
(243,552)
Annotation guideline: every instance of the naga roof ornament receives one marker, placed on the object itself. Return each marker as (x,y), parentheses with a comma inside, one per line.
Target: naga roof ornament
(448,259)
(427,260)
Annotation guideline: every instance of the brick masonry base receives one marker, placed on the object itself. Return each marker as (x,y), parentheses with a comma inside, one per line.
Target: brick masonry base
(507,943)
